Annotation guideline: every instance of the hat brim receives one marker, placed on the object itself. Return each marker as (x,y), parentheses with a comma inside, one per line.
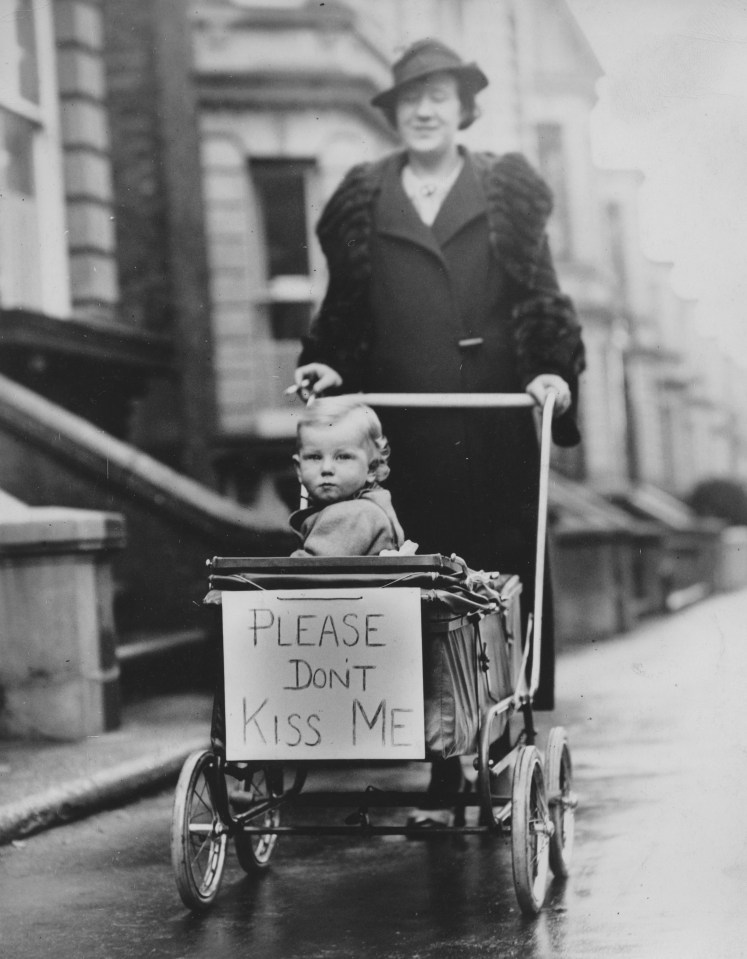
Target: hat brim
(468,74)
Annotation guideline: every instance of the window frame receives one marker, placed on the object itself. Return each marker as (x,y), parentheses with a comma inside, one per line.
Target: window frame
(52,280)
(287,288)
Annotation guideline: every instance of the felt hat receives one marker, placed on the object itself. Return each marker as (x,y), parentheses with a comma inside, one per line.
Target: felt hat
(423,58)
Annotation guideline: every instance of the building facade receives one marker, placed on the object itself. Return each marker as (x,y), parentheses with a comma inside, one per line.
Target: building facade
(61,328)
(163,169)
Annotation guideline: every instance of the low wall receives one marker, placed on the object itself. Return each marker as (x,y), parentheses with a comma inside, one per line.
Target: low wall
(691,558)
(731,568)
(59,676)
(593,586)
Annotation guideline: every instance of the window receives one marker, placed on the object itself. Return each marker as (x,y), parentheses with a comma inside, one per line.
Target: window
(19,72)
(550,151)
(280,188)
(17,157)
(33,267)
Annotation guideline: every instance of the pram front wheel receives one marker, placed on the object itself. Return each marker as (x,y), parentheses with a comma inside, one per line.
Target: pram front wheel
(530,831)
(561,801)
(254,850)
(198,837)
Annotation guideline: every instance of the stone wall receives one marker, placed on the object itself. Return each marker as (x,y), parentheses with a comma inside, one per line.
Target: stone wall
(86,145)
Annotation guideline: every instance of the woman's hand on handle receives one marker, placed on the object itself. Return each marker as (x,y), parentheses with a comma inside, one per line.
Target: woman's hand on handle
(316,378)
(541,385)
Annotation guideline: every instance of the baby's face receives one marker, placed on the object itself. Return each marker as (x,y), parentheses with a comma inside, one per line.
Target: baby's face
(333,461)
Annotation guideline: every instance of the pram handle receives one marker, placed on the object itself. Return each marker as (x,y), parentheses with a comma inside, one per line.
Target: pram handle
(449,400)
(496,401)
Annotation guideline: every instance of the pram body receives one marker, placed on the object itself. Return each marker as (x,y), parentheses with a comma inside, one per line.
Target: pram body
(444,671)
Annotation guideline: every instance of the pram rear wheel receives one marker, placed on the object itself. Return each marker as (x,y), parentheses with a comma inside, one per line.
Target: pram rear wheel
(255,850)
(561,801)
(198,838)
(530,831)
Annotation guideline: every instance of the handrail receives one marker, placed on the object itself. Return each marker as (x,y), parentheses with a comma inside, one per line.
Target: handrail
(35,418)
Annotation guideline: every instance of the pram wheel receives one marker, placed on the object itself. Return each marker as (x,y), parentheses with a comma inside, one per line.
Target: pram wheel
(198,837)
(530,831)
(561,800)
(255,850)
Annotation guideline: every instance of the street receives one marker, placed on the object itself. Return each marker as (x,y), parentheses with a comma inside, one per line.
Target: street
(655,720)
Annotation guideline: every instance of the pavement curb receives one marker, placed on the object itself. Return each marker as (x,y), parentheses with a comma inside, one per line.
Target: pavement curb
(89,794)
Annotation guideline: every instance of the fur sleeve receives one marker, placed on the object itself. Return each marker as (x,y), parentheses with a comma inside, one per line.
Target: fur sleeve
(548,340)
(547,333)
(519,205)
(548,337)
(340,333)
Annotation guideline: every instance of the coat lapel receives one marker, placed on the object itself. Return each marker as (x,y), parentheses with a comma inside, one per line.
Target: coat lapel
(464,203)
(396,216)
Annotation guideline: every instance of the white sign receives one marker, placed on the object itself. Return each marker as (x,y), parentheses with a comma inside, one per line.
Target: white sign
(323,674)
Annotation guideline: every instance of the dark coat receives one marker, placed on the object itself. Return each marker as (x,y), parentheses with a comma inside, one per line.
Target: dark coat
(361,526)
(543,325)
(401,297)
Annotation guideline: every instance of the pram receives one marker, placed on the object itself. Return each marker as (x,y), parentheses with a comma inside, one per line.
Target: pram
(377,660)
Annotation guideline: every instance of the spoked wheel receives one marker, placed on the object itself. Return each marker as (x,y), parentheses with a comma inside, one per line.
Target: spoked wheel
(255,851)
(198,838)
(561,800)
(530,831)
(495,743)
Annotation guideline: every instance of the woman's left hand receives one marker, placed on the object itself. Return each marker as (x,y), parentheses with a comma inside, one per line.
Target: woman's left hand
(541,385)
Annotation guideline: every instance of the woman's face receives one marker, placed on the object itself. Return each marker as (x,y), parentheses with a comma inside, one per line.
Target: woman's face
(428,114)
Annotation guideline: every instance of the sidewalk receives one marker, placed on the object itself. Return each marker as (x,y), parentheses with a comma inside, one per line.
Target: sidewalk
(43,784)
(46,784)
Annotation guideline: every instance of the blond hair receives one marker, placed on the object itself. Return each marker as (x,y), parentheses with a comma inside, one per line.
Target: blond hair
(332,409)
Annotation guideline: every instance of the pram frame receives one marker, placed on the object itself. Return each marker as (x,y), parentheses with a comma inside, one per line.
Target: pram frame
(498,812)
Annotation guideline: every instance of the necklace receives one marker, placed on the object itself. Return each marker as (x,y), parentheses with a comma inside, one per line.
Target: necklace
(428,195)
(429,188)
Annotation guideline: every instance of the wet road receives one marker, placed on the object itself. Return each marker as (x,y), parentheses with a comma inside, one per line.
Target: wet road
(660,870)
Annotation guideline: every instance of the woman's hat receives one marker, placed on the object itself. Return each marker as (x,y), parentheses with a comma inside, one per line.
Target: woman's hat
(423,58)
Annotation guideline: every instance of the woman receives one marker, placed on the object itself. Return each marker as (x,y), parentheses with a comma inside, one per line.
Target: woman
(441,280)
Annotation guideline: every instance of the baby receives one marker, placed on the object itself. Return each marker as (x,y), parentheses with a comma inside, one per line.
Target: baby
(342,457)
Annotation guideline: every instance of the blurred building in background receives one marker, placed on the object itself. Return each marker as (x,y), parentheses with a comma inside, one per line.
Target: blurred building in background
(162,168)
(62,330)
(281,97)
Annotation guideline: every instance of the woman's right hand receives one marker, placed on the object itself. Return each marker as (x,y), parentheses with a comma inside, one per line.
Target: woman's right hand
(317,378)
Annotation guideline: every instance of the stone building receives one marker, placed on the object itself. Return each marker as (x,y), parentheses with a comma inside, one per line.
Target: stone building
(284,111)
(61,328)
(163,168)
(103,350)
